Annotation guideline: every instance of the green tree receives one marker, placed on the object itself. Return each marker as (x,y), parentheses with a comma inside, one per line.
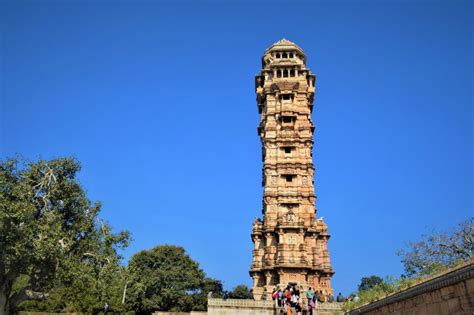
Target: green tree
(367,283)
(439,250)
(240,292)
(50,233)
(214,286)
(85,291)
(209,286)
(163,278)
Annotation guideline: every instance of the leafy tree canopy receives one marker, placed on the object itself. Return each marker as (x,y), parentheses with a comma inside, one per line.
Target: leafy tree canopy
(50,234)
(367,283)
(240,292)
(439,250)
(163,278)
(212,286)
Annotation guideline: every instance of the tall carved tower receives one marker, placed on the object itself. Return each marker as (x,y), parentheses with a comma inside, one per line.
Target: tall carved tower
(290,244)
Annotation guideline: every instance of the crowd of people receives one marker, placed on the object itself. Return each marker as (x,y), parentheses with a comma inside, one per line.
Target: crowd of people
(290,301)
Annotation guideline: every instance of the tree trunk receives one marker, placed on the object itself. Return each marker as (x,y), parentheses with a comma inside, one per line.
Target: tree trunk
(3,299)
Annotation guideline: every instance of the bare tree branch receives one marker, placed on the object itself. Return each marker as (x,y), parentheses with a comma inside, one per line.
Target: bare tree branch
(26,294)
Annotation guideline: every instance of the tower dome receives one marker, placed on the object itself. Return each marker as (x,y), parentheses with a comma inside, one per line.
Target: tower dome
(283,51)
(285,44)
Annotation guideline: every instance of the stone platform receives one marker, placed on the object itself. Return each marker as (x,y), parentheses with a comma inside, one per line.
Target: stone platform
(262,307)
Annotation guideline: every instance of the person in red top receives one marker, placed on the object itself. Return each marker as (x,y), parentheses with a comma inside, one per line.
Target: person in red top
(275,297)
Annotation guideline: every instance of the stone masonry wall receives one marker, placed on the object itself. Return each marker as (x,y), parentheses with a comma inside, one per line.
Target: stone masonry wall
(180,313)
(261,307)
(451,293)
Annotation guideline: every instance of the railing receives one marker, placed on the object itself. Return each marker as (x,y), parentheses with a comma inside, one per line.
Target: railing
(282,222)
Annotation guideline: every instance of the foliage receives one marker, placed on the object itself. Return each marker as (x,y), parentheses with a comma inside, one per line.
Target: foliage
(367,283)
(86,292)
(200,298)
(439,250)
(163,278)
(214,286)
(240,292)
(52,243)
(385,287)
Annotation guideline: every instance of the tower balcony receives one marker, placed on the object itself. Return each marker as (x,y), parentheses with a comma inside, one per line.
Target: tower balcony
(288,258)
(304,163)
(285,80)
(285,193)
(256,265)
(270,250)
(289,191)
(323,268)
(269,260)
(257,230)
(284,85)
(291,134)
(287,62)
(285,224)
(282,247)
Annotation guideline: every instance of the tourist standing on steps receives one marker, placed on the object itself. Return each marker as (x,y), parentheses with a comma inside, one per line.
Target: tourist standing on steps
(330,298)
(298,307)
(297,291)
(288,306)
(310,299)
(316,300)
(340,298)
(280,297)
(321,297)
(304,306)
(288,301)
(275,297)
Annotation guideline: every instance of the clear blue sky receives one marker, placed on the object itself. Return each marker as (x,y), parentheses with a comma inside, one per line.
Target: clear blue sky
(156,99)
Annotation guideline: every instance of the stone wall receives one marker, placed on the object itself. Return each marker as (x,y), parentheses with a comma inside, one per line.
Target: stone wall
(180,313)
(233,307)
(450,293)
(262,307)
(155,313)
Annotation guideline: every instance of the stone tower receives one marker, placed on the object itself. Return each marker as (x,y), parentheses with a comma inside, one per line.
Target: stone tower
(290,244)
